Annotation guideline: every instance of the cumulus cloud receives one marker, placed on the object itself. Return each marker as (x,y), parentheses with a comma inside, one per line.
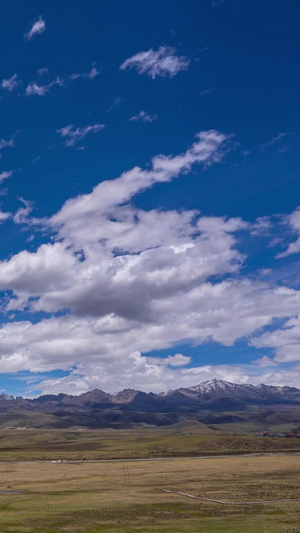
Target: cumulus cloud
(125,282)
(96,216)
(157,63)
(37,28)
(73,135)
(140,373)
(284,340)
(143,117)
(11,83)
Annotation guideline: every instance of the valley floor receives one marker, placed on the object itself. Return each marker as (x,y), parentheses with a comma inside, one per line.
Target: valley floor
(143,443)
(123,497)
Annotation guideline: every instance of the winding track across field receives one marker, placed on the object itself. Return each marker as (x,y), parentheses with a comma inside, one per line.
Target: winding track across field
(228,503)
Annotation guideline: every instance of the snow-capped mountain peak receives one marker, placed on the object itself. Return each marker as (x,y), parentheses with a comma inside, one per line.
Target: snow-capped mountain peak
(214,385)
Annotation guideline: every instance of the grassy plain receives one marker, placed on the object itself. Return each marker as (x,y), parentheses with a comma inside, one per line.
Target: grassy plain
(173,441)
(127,497)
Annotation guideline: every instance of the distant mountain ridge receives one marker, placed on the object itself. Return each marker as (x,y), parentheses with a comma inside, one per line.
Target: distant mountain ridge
(214,388)
(211,402)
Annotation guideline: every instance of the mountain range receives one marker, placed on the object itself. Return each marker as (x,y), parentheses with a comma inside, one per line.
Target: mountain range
(213,403)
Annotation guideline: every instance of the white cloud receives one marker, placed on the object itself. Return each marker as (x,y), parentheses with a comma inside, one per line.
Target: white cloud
(116,102)
(73,135)
(133,281)
(285,340)
(93,73)
(293,221)
(138,373)
(90,74)
(264,362)
(5,174)
(96,216)
(175,361)
(162,62)
(22,214)
(143,117)
(42,71)
(38,27)
(261,226)
(7,144)
(274,140)
(11,83)
(34,89)
(4,216)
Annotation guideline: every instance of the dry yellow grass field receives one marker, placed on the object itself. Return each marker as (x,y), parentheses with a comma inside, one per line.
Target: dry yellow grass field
(128,497)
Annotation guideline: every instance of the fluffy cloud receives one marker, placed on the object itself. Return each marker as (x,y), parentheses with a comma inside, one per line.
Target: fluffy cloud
(73,135)
(34,89)
(118,282)
(162,62)
(4,216)
(139,373)
(97,217)
(11,83)
(285,341)
(37,28)
(143,117)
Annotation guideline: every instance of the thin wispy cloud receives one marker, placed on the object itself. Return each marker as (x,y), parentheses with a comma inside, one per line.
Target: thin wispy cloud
(274,140)
(38,27)
(21,215)
(116,102)
(5,175)
(11,83)
(93,73)
(5,144)
(74,135)
(34,89)
(90,74)
(157,63)
(143,117)
(207,91)
(42,71)
(216,3)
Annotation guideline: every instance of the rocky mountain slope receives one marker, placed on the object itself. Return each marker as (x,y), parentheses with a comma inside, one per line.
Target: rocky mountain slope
(212,402)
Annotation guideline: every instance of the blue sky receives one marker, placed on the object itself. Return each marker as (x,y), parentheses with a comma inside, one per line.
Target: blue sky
(149,182)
